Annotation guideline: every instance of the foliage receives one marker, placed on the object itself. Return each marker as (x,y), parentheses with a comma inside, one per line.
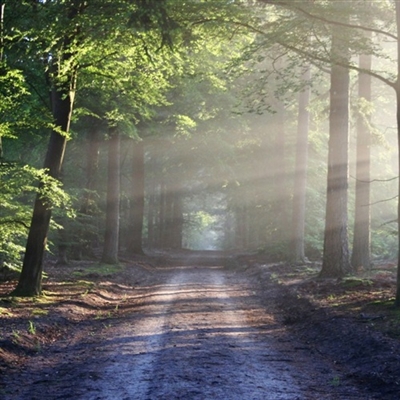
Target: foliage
(201,231)
(19,186)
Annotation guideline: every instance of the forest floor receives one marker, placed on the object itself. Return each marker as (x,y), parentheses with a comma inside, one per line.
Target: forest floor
(201,326)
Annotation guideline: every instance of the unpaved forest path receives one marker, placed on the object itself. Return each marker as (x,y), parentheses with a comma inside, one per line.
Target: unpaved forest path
(204,334)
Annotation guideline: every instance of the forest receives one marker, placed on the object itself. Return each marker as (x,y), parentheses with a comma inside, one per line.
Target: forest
(143,136)
(264,126)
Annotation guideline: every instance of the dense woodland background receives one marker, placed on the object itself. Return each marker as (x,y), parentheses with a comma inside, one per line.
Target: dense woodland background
(264,126)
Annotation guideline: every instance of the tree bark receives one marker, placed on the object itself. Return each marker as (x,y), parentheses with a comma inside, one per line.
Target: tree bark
(397,88)
(30,282)
(162,225)
(397,300)
(111,237)
(152,211)
(168,216)
(92,166)
(136,222)
(335,261)
(300,182)
(241,227)
(87,239)
(361,255)
(281,195)
(177,220)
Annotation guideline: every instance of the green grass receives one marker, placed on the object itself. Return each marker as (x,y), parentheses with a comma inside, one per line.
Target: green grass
(100,270)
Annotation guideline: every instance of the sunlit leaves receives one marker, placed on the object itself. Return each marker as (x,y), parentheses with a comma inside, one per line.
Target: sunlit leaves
(12,92)
(18,188)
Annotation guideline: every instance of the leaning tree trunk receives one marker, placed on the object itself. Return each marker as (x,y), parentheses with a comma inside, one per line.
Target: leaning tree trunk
(300,180)
(361,255)
(30,281)
(111,237)
(62,100)
(136,220)
(335,261)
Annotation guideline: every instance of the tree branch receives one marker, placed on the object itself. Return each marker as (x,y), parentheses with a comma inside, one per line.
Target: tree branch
(12,222)
(309,56)
(375,180)
(329,21)
(305,54)
(384,201)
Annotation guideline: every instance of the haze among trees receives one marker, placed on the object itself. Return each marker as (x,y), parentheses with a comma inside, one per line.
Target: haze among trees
(244,126)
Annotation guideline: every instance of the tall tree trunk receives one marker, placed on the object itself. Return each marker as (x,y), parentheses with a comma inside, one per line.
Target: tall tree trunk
(151,217)
(300,180)
(111,237)
(336,252)
(361,255)
(152,211)
(86,237)
(30,281)
(2,8)
(168,216)
(62,101)
(162,226)
(177,220)
(397,88)
(281,195)
(92,166)
(136,222)
(241,227)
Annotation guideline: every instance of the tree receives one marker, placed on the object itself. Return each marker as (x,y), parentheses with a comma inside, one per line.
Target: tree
(397,89)
(300,178)
(111,238)
(336,261)
(361,254)
(62,100)
(135,225)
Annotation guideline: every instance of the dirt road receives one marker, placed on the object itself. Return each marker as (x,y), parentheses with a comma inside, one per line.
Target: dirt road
(203,334)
